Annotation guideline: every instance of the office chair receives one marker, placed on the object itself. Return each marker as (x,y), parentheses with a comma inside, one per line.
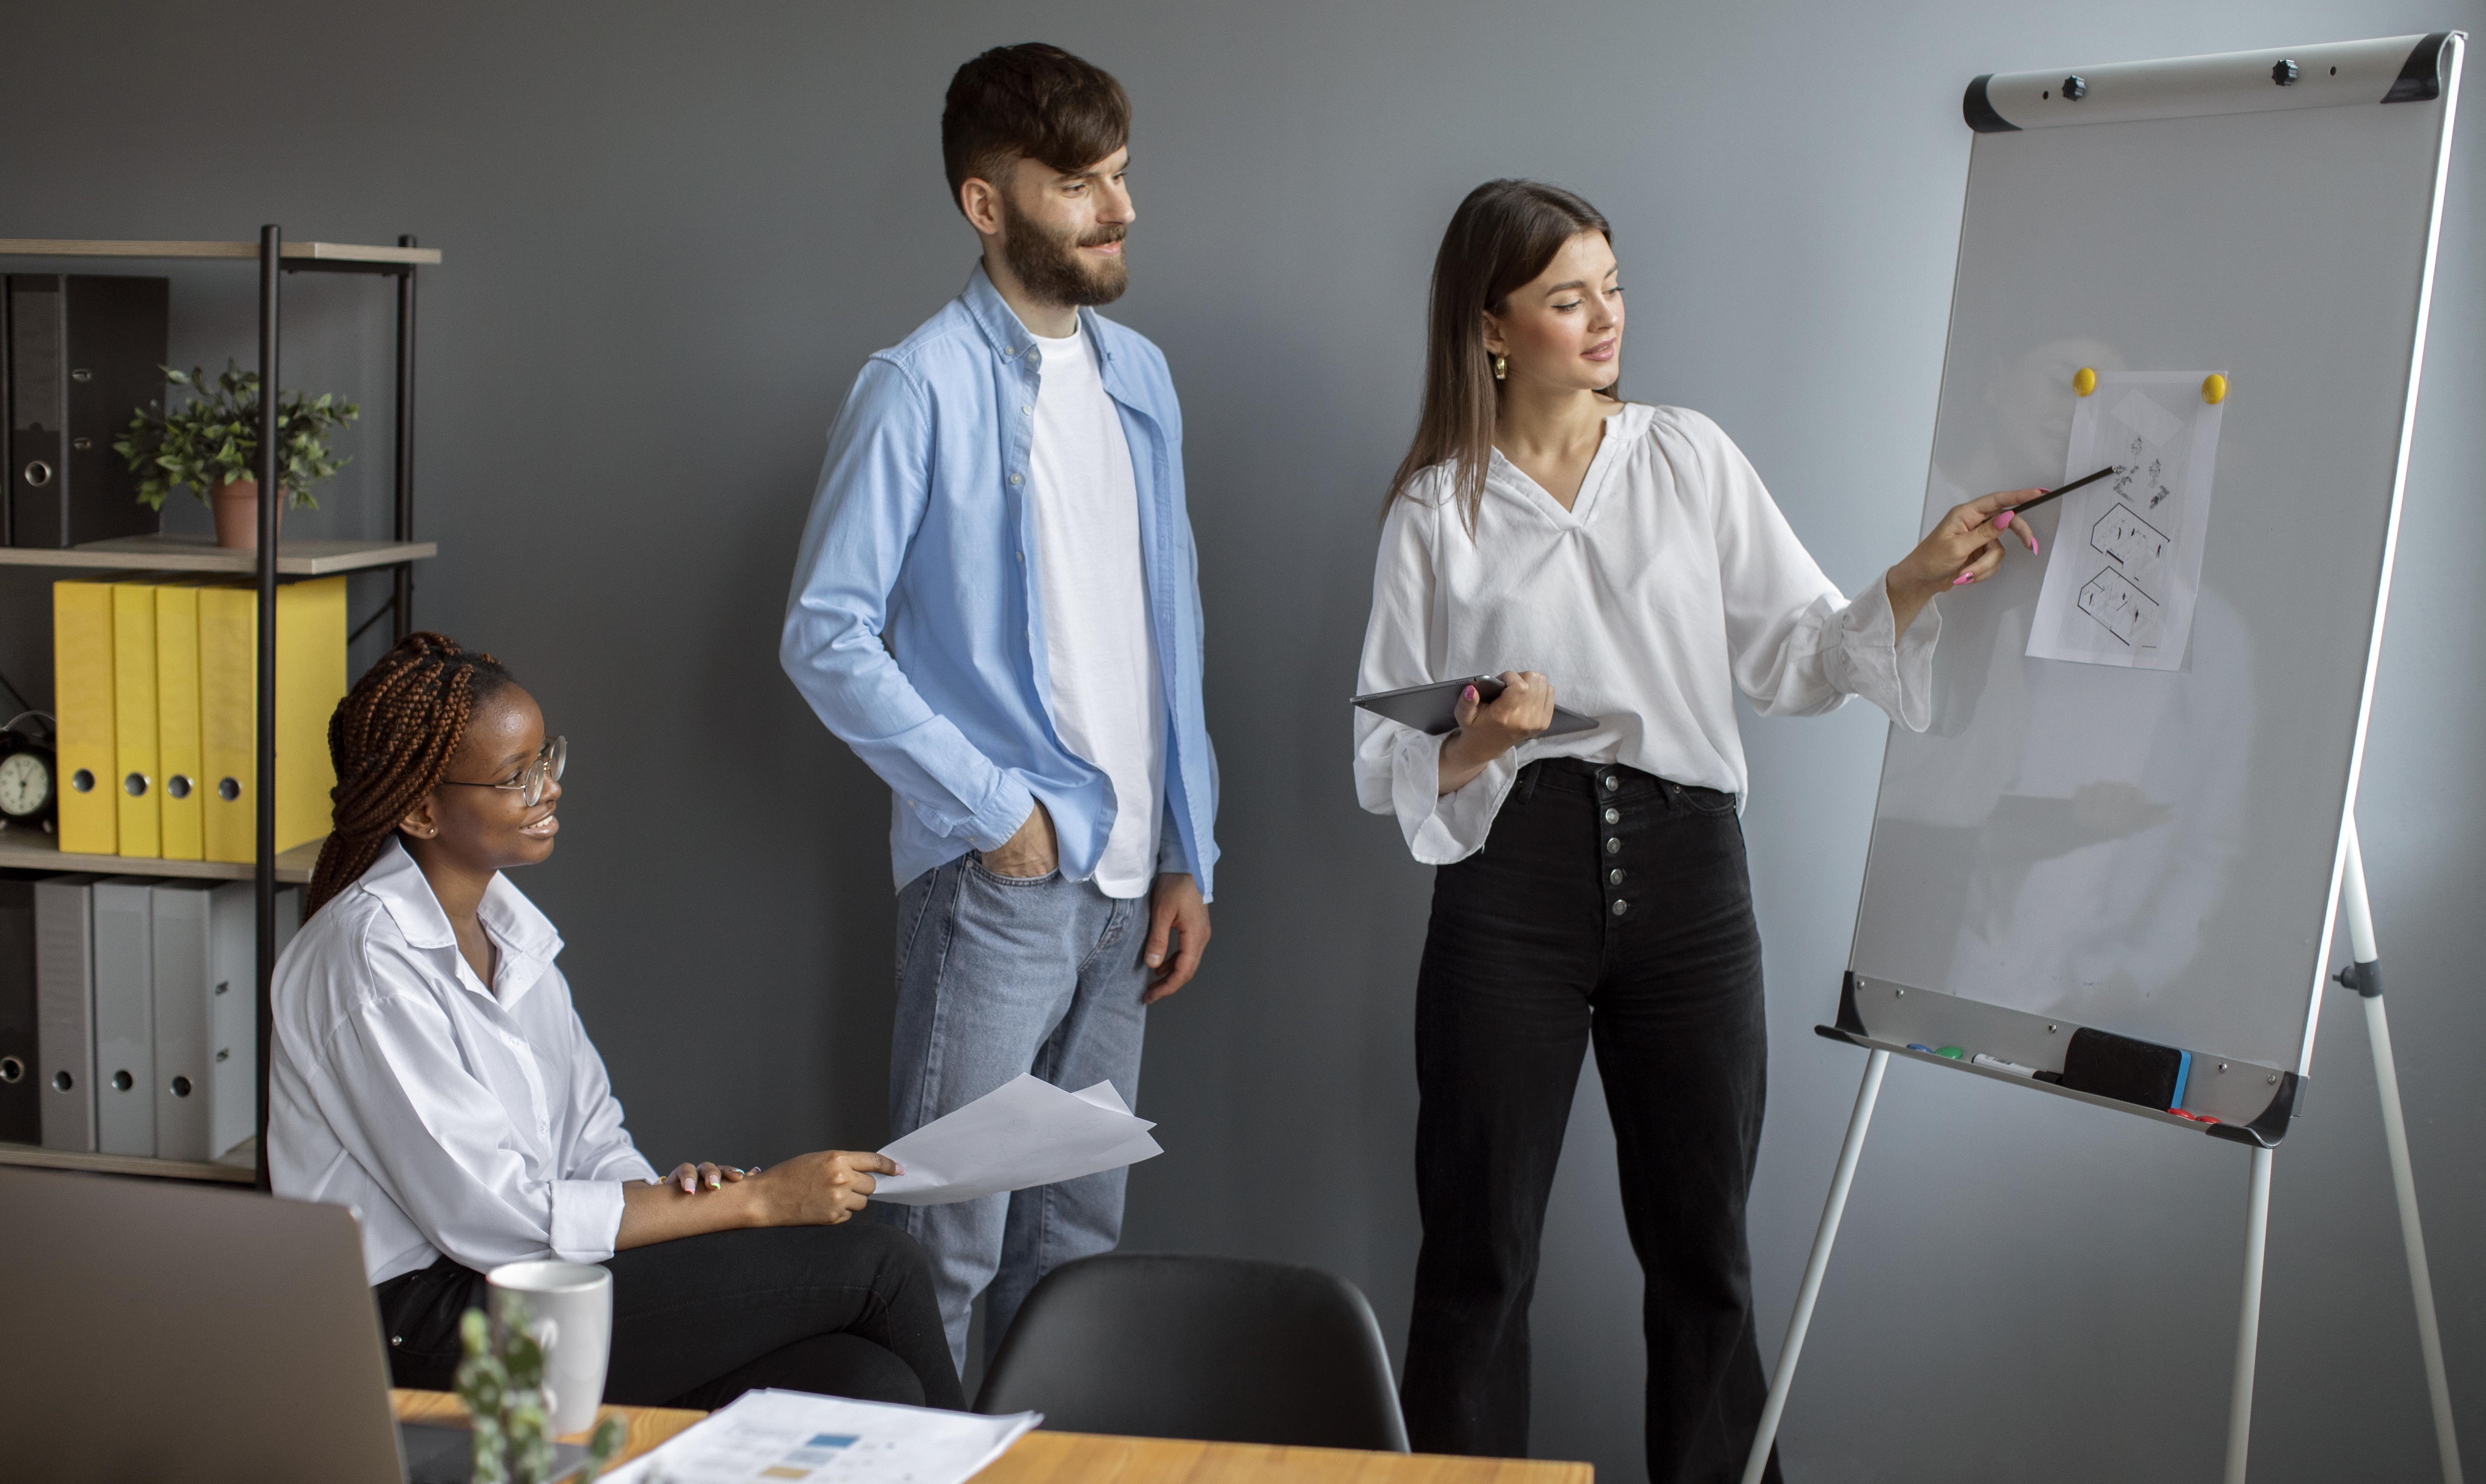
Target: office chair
(1221,1349)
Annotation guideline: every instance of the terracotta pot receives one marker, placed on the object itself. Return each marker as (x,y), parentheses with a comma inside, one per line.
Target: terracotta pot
(236,508)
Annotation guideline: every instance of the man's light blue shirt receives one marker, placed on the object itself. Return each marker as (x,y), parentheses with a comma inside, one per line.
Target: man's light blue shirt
(915,628)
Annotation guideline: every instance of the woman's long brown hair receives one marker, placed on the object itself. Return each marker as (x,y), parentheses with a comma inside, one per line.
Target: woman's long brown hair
(391,738)
(1500,238)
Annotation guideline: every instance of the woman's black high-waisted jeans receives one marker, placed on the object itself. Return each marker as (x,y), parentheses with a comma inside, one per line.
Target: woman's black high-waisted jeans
(1609,908)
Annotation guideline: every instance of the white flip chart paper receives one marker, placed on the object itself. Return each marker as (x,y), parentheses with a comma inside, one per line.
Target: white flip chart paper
(1025,1132)
(768,1437)
(2125,565)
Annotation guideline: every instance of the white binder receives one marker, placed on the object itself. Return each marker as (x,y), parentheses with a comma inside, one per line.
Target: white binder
(183,954)
(233,1013)
(64,1009)
(125,1018)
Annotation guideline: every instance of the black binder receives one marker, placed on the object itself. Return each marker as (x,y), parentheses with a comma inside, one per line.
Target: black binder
(21,1111)
(83,353)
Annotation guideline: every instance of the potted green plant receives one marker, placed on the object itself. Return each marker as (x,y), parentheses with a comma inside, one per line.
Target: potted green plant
(210,446)
(501,1382)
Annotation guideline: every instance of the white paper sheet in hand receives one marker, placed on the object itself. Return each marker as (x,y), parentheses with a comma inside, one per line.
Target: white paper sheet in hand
(2126,561)
(1027,1132)
(766,1437)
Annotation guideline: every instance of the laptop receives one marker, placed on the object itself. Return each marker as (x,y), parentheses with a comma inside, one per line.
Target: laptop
(166,1330)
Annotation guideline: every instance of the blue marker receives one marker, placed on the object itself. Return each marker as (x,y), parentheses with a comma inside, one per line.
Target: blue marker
(1920,1046)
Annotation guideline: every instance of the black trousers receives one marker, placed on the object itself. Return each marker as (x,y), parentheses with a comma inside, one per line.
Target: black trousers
(1610,909)
(839,1310)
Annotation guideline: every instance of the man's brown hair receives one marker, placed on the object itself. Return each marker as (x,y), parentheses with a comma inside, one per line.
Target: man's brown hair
(1029,99)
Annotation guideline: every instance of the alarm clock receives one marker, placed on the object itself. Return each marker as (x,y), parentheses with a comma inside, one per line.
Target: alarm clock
(29,778)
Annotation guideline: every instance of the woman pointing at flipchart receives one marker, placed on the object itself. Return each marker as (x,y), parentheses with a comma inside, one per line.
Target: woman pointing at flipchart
(1626,561)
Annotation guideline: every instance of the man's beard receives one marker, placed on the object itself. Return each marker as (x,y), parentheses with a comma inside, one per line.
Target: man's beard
(1051,267)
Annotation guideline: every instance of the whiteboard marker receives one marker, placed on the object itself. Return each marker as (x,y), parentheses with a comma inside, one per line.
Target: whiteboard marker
(2000,1065)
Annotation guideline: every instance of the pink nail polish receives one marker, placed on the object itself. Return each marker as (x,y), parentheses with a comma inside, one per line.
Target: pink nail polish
(2033,546)
(1471,693)
(2003,522)
(1963,577)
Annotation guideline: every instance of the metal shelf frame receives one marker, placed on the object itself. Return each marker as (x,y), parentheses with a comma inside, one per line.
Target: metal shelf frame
(201,553)
(275,258)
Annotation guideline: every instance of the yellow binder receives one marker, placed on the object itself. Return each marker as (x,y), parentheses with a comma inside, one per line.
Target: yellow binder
(82,696)
(137,779)
(310,681)
(177,720)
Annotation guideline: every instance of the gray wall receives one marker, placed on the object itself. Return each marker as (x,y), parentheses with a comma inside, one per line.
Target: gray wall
(673,232)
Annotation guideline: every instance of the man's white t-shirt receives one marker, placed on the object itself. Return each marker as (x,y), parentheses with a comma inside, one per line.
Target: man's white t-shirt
(1107,700)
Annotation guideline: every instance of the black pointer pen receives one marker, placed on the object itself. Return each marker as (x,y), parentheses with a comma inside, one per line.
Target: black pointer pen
(2059,489)
(2002,518)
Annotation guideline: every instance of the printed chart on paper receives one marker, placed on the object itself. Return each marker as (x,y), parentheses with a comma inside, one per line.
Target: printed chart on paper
(773,1437)
(2126,561)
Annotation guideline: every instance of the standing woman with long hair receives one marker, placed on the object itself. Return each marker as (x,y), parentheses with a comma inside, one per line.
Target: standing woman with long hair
(1626,560)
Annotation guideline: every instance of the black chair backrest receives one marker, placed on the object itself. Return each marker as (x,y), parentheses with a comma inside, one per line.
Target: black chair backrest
(1222,1349)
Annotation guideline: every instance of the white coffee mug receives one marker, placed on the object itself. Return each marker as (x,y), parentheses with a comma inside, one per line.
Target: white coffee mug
(569,1311)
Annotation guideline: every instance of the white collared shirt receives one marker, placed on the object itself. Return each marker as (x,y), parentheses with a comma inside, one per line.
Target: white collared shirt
(452,1118)
(1672,582)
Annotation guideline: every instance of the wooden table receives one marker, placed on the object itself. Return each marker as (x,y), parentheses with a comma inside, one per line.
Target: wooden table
(1087,1458)
(642,1427)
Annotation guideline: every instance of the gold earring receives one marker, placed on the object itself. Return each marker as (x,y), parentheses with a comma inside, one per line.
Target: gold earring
(1501,368)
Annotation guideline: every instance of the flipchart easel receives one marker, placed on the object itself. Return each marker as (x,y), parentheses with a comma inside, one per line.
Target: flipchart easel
(2251,200)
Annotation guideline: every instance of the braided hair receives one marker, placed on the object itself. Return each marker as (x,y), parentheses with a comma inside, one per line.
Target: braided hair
(391,739)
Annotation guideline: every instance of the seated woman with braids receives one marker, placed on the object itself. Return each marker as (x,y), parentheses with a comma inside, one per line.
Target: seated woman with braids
(429,1072)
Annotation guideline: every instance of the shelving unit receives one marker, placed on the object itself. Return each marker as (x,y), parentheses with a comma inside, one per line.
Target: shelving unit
(27,850)
(234,1171)
(22,850)
(202,554)
(295,255)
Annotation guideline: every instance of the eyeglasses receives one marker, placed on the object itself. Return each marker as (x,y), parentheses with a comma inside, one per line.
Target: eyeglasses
(546,768)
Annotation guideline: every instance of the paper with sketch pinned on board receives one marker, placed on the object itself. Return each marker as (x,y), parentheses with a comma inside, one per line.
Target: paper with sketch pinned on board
(1025,1132)
(2124,565)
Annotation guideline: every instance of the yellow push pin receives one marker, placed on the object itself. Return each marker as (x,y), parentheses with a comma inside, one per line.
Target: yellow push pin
(2084,381)
(2214,388)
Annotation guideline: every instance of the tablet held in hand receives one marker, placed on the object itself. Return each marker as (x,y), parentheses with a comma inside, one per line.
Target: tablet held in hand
(1432,709)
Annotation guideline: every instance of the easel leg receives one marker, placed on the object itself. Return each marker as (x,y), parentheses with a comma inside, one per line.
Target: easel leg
(1783,1380)
(2367,982)
(2249,1327)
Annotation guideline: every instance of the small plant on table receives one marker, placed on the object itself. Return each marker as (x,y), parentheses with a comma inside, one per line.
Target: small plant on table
(501,1382)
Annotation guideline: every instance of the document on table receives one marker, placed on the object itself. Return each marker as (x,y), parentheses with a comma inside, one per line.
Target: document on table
(797,1438)
(1027,1132)
(2125,565)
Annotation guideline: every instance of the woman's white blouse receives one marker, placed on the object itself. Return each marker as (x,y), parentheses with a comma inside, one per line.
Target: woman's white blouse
(1671,582)
(453,1119)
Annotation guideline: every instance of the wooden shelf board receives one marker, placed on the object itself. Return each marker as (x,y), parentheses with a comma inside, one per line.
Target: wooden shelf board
(34,850)
(201,553)
(244,1173)
(329,252)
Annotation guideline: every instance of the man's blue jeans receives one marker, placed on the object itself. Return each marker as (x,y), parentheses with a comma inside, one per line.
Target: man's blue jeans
(996,976)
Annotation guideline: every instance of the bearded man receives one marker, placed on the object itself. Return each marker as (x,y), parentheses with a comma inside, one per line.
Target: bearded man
(996,605)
